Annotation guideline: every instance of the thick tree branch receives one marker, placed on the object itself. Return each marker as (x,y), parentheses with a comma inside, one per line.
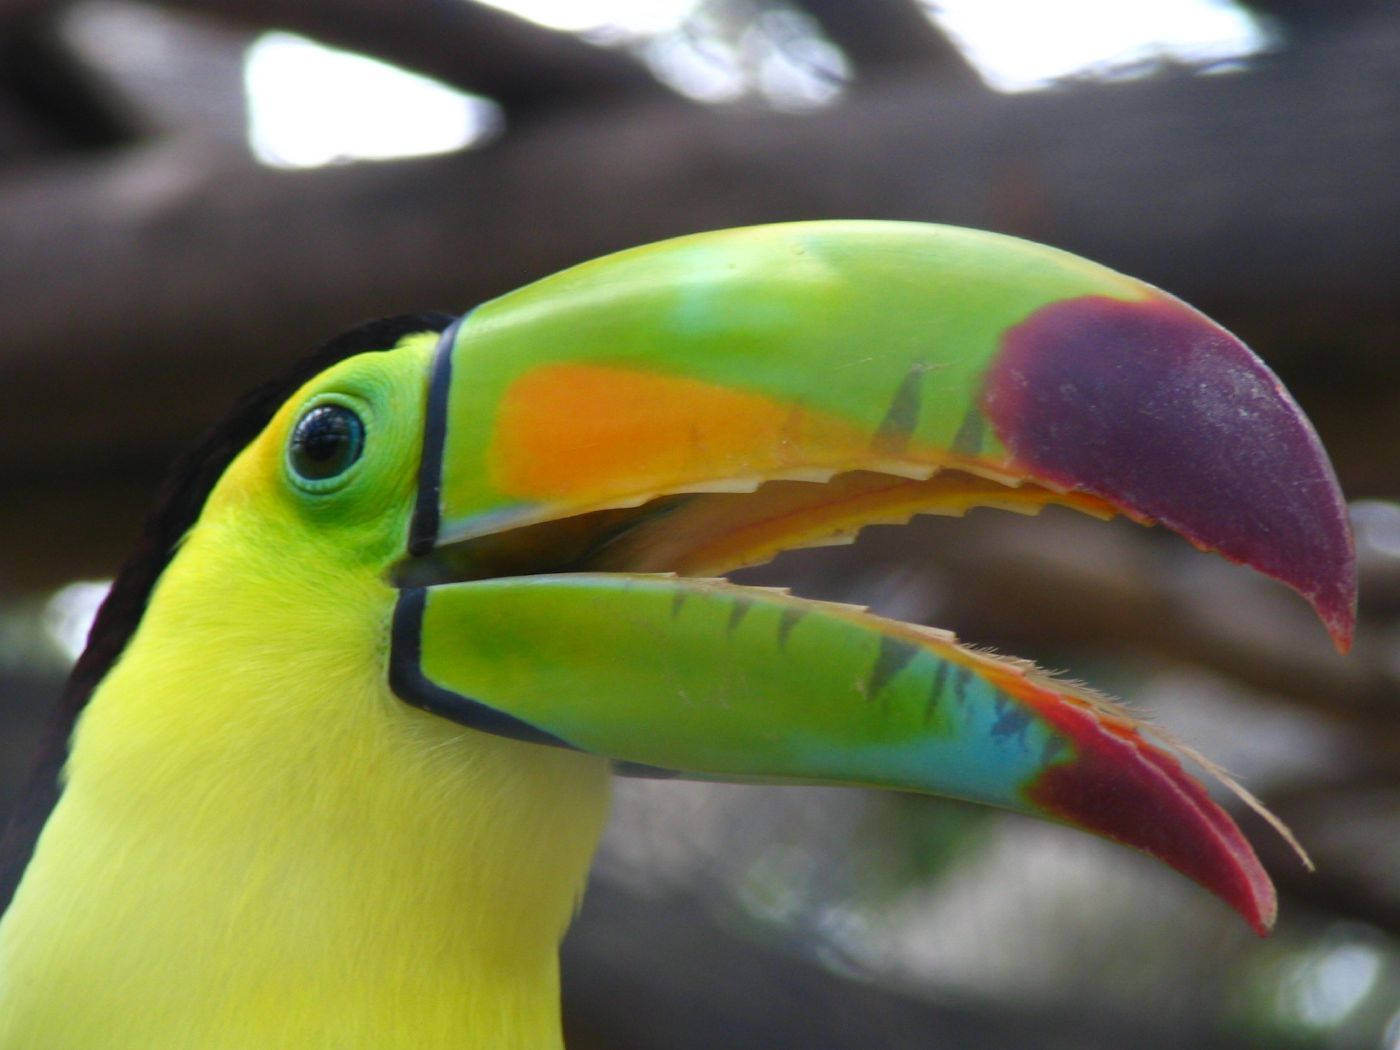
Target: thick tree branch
(523,66)
(68,107)
(885,36)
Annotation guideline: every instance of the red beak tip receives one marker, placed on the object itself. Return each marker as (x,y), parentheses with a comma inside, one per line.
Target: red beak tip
(1342,629)
(1263,914)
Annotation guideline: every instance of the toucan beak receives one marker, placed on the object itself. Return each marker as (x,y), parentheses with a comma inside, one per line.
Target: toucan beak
(600,441)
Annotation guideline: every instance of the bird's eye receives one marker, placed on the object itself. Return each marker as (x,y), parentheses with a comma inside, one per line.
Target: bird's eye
(326,441)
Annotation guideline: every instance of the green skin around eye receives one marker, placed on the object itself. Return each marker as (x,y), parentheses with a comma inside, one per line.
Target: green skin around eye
(362,513)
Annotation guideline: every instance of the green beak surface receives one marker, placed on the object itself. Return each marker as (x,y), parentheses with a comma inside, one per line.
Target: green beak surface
(696,405)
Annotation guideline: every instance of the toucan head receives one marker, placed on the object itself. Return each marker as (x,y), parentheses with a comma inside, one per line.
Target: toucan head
(538,499)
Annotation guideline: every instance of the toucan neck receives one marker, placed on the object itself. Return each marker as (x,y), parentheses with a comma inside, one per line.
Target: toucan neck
(273,853)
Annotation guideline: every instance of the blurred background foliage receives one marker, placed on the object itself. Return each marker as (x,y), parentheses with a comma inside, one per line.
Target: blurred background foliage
(193,191)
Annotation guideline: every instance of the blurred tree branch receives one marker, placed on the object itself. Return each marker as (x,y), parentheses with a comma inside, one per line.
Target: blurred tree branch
(881,37)
(523,66)
(189,271)
(62,105)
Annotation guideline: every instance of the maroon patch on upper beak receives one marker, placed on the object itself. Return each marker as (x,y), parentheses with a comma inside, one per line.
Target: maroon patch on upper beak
(1160,411)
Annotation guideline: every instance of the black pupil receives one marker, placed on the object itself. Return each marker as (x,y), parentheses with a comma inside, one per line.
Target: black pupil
(326,441)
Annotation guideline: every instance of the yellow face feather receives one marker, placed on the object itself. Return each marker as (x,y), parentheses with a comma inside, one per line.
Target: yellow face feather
(381,877)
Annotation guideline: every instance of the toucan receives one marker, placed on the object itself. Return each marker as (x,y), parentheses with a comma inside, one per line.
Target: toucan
(334,763)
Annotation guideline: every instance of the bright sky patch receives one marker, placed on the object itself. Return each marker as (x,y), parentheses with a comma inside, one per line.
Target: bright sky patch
(310,105)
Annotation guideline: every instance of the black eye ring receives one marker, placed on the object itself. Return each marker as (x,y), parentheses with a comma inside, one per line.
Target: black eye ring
(326,442)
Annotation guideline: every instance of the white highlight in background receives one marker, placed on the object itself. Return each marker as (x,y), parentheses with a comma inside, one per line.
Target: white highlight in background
(310,105)
(69,613)
(1022,45)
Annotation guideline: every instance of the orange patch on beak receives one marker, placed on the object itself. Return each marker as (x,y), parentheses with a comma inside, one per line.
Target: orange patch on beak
(592,432)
